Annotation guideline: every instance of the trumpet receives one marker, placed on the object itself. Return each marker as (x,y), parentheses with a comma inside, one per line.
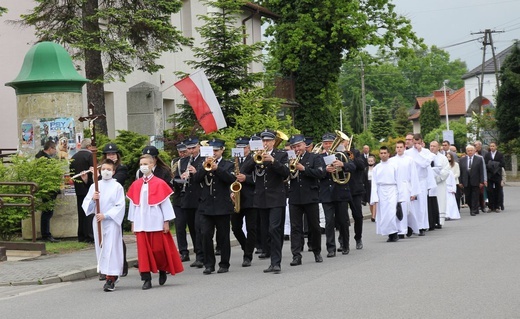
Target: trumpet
(235,188)
(293,163)
(208,163)
(259,156)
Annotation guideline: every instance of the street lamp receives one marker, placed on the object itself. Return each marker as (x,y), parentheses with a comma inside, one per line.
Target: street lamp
(446,105)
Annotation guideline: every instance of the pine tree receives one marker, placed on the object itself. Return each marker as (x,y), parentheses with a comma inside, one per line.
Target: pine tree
(508,111)
(223,55)
(430,117)
(402,124)
(381,125)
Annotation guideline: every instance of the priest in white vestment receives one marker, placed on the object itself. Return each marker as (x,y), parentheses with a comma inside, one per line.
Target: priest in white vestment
(441,170)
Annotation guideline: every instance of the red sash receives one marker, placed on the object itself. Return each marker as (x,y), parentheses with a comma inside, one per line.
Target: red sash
(158,191)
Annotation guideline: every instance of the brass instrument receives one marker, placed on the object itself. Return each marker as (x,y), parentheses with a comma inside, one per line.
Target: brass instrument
(259,156)
(292,166)
(318,148)
(208,163)
(235,188)
(340,137)
(280,136)
(175,166)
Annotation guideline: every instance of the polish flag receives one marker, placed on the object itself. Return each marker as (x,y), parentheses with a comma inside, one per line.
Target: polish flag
(200,95)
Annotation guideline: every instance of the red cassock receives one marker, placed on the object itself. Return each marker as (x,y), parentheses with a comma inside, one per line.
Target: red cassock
(156,250)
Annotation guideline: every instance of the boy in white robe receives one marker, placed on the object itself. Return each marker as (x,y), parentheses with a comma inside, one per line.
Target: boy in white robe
(385,194)
(109,251)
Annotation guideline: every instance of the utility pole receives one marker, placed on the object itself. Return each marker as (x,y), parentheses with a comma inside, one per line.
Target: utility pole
(363,96)
(488,40)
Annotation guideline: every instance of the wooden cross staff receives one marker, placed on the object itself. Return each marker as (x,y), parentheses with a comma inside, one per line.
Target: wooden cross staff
(91,118)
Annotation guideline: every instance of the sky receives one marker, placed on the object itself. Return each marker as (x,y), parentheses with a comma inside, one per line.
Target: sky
(446,23)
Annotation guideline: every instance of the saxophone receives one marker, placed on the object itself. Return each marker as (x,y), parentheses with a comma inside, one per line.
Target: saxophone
(235,188)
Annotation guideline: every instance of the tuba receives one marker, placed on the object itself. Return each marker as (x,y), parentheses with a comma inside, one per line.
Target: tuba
(235,188)
(280,136)
(318,148)
(340,137)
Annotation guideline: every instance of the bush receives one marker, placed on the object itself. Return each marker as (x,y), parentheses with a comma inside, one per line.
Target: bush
(47,174)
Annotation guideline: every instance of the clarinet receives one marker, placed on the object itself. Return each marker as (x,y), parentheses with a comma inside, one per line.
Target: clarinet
(187,171)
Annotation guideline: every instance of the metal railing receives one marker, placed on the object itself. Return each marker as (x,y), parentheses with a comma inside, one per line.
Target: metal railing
(33,187)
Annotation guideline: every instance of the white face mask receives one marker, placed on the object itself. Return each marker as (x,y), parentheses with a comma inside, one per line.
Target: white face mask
(144,169)
(106,174)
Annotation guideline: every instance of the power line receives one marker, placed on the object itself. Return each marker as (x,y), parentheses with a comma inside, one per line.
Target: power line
(456,44)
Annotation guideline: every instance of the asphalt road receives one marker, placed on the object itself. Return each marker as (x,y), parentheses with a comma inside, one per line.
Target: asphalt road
(469,269)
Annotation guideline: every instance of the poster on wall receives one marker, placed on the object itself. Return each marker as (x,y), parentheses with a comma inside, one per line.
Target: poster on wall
(27,135)
(61,131)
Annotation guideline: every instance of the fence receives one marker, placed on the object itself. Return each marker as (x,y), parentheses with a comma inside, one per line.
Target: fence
(33,187)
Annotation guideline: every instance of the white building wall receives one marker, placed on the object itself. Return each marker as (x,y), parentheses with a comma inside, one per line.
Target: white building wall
(16,42)
(471,86)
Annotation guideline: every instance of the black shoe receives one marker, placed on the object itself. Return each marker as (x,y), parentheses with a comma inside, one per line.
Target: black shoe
(422,232)
(345,251)
(309,249)
(217,252)
(372,219)
(286,237)
(401,236)
(318,258)
(136,265)
(273,269)
(147,284)
(392,238)
(431,228)
(438,226)
(322,230)
(410,232)
(340,249)
(102,277)
(296,261)
(162,277)
(258,251)
(331,254)
(246,262)
(359,244)
(473,214)
(208,270)
(222,270)
(264,256)
(185,257)
(109,286)
(51,239)
(197,263)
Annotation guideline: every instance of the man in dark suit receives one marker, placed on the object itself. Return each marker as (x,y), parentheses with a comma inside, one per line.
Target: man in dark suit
(494,164)
(357,190)
(304,198)
(190,200)
(180,218)
(247,208)
(270,197)
(215,207)
(82,162)
(472,178)
(334,198)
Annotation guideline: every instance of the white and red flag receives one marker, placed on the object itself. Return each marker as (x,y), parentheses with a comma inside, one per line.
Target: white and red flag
(200,95)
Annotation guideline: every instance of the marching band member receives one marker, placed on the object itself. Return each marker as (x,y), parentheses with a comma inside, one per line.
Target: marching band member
(180,218)
(190,200)
(334,198)
(304,199)
(247,209)
(270,197)
(215,207)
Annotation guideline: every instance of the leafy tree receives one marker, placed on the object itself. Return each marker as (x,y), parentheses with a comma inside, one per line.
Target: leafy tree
(484,126)
(258,111)
(460,133)
(312,38)
(426,70)
(381,125)
(508,110)
(430,117)
(112,37)
(402,124)
(224,56)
